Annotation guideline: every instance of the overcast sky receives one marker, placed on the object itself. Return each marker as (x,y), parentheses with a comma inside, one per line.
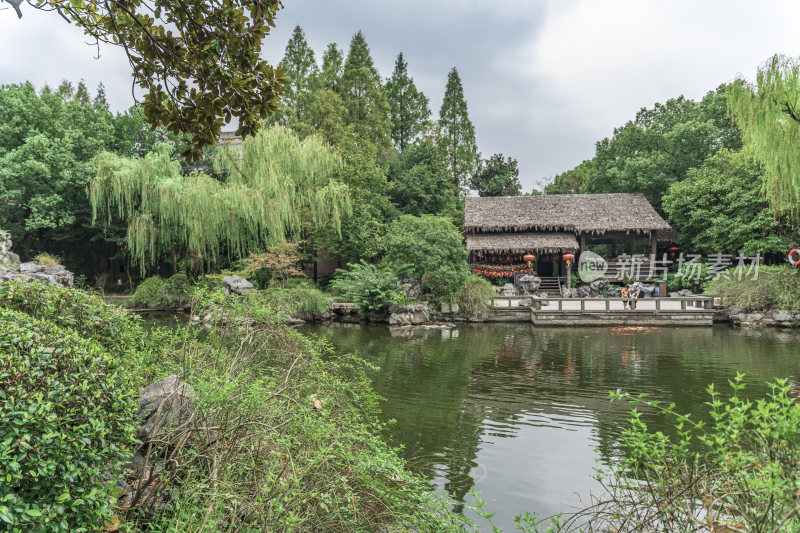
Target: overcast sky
(544,79)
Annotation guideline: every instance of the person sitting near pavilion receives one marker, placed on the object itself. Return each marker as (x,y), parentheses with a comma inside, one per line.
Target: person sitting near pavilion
(626,293)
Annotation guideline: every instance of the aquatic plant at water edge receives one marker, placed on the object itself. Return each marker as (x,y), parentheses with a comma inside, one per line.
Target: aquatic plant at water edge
(740,472)
(159,293)
(474,297)
(777,288)
(67,422)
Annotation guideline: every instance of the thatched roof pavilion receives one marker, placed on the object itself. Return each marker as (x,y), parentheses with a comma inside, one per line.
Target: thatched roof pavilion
(558,223)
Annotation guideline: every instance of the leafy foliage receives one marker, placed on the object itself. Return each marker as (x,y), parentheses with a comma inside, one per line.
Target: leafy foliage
(776,288)
(497,177)
(59,454)
(279,262)
(300,67)
(363,95)
(199,63)
(457,139)
(660,145)
(408,106)
(373,289)
(46,259)
(474,297)
(738,472)
(275,184)
(768,112)
(431,248)
(420,184)
(720,208)
(159,293)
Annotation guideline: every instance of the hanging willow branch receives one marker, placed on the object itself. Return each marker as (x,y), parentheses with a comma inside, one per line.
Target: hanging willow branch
(275,184)
(768,113)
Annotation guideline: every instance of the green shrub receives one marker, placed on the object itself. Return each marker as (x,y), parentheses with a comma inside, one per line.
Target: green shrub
(160,293)
(295,445)
(432,249)
(696,279)
(777,287)
(67,422)
(739,471)
(297,300)
(371,288)
(90,317)
(474,297)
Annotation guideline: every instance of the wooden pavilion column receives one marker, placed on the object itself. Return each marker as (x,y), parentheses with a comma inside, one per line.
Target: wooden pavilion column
(653,243)
(582,245)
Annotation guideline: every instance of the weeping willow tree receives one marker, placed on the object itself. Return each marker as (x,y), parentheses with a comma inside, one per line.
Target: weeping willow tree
(768,113)
(274,186)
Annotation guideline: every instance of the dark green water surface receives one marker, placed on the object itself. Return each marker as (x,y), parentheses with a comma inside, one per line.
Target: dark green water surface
(522,413)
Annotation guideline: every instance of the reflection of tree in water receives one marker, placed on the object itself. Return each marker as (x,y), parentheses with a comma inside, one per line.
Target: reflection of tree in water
(446,392)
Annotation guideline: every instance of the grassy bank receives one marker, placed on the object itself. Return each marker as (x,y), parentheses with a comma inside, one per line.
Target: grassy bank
(280,438)
(775,288)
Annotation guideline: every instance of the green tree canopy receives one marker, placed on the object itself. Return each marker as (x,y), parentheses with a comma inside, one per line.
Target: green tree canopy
(497,177)
(457,137)
(572,181)
(420,184)
(274,184)
(431,248)
(332,65)
(660,145)
(199,63)
(408,106)
(363,95)
(300,67)
(720,208)
(768,113)
(47,142)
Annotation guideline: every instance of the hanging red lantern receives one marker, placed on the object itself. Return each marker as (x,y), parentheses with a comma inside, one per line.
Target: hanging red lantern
(568,257)
(529,258)
(673,249)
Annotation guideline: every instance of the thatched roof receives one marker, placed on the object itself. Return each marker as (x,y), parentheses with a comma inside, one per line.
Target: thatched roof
(520,243)
(587,213)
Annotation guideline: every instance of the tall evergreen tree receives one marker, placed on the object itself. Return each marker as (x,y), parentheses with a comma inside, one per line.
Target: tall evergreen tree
(300,66)
(497,177)
(363,95)
(332,64)
(457,140)
(408,107)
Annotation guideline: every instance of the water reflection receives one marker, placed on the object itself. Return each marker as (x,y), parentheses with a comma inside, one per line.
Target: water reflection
(518,412)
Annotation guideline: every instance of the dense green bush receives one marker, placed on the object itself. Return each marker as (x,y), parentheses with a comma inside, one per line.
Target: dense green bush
(159,293)
(90,317)
(373,289)
(776,287)
(433,250)
(694,278)
(738,473)
(474,297)
(297,300)
(67,422)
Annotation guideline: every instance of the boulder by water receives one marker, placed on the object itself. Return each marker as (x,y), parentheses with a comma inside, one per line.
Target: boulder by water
(236,285)
(11,268)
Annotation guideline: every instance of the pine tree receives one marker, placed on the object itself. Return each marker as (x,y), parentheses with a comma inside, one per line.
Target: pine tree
(457,140)
(300,66)
(332,62)
(408,106)
(100,97)
(363,95)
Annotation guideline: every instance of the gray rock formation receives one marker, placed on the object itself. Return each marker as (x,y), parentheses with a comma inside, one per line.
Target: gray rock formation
(594,289)
(164,403)
(11,268)
(507,290)
(777,318)
(411,287)
(236,285)
(530,284)
(408,315)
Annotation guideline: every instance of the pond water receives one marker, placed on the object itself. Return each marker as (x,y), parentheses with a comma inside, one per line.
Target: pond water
(521,413)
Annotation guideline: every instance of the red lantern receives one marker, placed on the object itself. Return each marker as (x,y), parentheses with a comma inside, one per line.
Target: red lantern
(568,257)
(673,249)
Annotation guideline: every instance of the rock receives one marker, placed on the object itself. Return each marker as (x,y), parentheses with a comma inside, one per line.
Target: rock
(783,316)
(408,315)
(8,259)
(508,290)
(236,285)
(165,402)
(411,287)
(529,284)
